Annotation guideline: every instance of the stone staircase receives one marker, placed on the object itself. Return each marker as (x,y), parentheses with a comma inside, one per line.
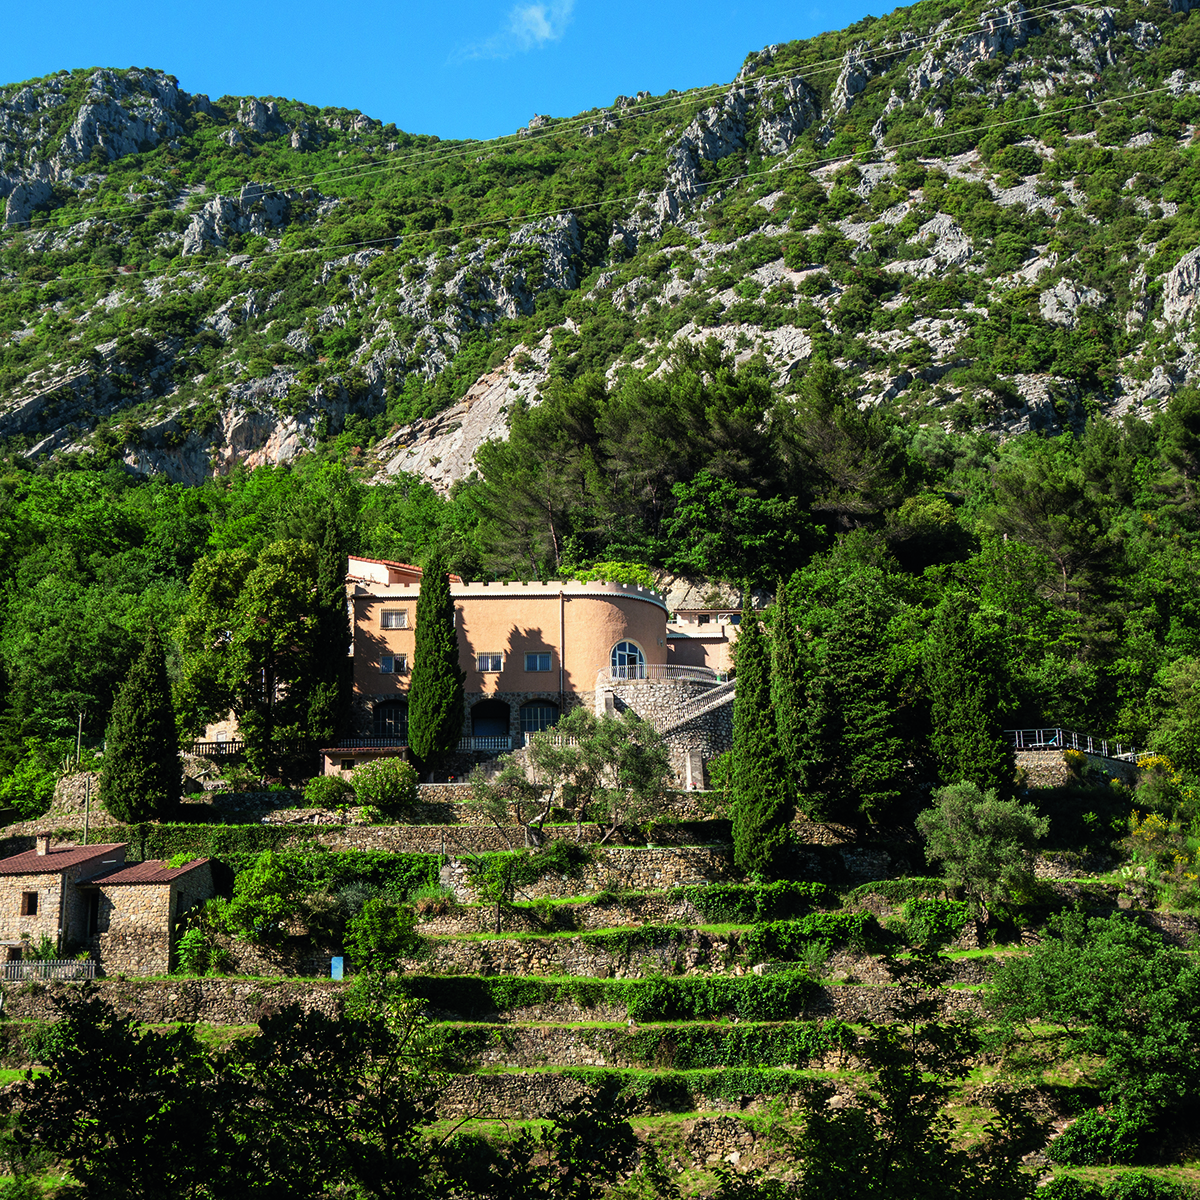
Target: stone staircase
(721,695)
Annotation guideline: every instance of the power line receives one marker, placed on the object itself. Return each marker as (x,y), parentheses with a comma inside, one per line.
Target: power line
(434,156)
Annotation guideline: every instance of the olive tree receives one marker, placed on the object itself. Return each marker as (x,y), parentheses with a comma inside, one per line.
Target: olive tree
(985,844)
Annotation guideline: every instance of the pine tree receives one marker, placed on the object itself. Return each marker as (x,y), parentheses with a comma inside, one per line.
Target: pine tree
(435,697)
(142,778)
(967,679)
(762,808)
(329,699)
(787,684)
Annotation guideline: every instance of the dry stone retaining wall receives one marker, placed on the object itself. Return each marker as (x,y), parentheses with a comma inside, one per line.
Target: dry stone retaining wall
(242,1002)
(163,1001)
(625,868)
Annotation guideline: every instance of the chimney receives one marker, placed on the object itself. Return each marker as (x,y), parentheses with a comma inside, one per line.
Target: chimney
(43,843)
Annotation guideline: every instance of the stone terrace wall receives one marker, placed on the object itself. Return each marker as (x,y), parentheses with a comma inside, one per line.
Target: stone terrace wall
(243,1002)
(1048,768)
(162,1001)
(628,868)
(689,951)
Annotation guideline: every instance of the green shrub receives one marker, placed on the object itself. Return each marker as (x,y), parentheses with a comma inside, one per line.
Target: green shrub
(1067,1187)
(780,997)
(1101,1137)
(703,1047)
(380,934)
(388,784)
(197,954)
(934,922)
(787,940)
(744,904)
(1135,1185)
(328,791)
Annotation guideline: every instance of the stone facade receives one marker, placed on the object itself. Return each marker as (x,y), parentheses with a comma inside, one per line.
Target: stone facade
(135,923)
(61,909)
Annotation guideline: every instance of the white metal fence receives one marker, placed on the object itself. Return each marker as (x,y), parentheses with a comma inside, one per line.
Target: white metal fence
(49,968)
(660,671)
(1066,739)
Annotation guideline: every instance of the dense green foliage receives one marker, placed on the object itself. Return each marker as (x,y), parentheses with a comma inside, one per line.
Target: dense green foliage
(435,706)
(1119,994)
(985,844)
(141,779)
(760,772)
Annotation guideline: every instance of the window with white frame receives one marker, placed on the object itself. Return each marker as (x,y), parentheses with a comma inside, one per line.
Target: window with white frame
(537,662)
(628,661)
(538,715)
(393,664)
(393,618)
(489,663)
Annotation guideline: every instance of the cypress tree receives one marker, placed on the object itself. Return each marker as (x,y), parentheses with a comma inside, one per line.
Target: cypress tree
(854,759)
(329,698)
(762,807)
(787,684)
(967,680)
(435,697)
(141,778)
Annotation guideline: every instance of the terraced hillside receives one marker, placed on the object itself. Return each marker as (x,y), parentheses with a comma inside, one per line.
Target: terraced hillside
(718,1010)
(981,214)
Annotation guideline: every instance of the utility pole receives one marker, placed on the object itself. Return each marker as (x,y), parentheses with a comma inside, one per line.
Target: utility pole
(79,740)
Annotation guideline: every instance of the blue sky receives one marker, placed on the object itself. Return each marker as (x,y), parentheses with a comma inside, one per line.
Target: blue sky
(459,68)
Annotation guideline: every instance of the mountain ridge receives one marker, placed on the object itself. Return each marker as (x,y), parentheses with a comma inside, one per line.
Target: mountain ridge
(896,198)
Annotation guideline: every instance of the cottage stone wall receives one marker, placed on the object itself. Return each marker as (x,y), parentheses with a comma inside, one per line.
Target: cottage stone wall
(136,923)
(62,906)
(133,935)
(49,895)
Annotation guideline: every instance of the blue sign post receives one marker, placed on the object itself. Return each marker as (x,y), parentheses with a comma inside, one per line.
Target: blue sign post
(335,968)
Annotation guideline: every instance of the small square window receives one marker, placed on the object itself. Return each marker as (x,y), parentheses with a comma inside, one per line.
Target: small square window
(537,662)
(393,664)
(490,662)
(704,619)
(394,618)
(347,764)
(29,904)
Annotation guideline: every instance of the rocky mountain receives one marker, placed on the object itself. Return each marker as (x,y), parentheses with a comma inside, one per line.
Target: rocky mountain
(983,215)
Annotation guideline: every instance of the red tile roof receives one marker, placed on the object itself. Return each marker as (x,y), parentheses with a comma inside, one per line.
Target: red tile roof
(399,566)
(386,562)
(153,870)
(59,858)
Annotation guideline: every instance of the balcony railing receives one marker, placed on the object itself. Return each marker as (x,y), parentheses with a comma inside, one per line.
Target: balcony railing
(469,745)
(658,672)
(49,968)
(217,749)
(1065,739)
(374,743)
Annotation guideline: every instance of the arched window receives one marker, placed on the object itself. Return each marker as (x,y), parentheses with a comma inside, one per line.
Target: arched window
(628,661)
(538,715)
(489,718)
(391,719)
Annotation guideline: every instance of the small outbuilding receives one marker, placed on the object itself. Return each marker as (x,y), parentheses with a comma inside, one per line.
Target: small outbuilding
(87,898)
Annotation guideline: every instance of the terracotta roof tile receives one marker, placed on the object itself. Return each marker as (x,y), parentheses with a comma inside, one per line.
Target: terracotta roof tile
(59,858)
(153,870)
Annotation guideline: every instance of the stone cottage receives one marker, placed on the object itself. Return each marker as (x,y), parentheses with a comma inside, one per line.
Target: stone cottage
(87,898)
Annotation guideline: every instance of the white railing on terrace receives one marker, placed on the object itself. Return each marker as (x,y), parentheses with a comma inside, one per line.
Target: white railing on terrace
(660,671)
(49,968)
(468,744)
(1065,739)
